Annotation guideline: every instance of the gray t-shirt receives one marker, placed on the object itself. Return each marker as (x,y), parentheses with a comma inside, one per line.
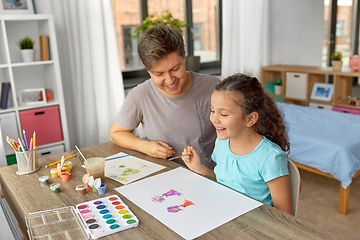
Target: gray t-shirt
(179,122)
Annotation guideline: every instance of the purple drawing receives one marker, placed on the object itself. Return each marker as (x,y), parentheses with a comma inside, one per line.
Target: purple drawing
(171,193)
(174,209)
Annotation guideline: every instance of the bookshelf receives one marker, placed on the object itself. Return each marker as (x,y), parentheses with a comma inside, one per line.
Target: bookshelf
(342,81)
(32,75)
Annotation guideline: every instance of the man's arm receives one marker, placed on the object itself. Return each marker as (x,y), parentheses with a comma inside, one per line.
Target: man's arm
(125,138)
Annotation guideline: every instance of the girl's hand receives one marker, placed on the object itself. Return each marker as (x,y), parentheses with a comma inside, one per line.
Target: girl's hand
(192,160)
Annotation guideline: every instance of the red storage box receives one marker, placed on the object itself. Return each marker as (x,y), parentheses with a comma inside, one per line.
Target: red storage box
(45,122)
(347,110)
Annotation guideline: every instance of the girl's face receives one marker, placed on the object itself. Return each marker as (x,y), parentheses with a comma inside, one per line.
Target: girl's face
(170,77)
(226,115)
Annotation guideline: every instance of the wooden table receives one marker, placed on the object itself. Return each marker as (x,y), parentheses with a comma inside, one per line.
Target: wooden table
(25,195)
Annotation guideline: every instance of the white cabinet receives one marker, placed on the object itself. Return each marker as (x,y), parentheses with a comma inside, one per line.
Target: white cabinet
(32,75)
(296,85)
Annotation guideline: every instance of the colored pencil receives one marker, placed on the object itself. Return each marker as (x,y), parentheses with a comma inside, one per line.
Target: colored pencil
(10,143)
(21,145)
(30,156)
(52,164)
(26,145)
(34,146)
(26,160)
(120,156)
(23,142)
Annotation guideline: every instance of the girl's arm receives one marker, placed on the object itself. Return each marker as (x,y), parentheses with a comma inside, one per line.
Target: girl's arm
(280,193)
(193,163)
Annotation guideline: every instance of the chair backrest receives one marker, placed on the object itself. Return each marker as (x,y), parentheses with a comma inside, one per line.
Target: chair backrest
(295,182)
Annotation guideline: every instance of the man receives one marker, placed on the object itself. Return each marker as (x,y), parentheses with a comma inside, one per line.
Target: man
(173,106)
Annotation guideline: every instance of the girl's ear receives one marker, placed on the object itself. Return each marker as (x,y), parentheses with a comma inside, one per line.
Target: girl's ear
(252,119)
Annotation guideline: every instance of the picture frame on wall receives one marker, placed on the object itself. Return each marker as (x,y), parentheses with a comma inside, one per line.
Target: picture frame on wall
(322,91)
(16,7)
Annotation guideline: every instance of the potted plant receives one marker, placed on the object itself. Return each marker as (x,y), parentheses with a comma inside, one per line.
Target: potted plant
(26,46)
(154,20)
(336,61)
(278,87)
(166,19)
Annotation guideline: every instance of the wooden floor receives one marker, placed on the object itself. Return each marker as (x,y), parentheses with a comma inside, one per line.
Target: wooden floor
(319,202)
(344,193)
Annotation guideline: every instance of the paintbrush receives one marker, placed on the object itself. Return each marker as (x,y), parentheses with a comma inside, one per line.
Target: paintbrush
(81,154)
(180,156)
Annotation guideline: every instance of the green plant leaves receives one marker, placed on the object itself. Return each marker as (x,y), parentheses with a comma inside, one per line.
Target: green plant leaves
(336,56)
(166,19)
(26,43)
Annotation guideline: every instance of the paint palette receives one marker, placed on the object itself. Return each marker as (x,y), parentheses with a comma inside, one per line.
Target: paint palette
(107,215)
(60,223)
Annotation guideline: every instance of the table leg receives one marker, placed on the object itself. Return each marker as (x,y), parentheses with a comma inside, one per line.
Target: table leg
(344,200)
(25,236)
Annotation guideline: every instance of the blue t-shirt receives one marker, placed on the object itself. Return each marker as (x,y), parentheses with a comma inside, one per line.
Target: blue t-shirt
(249,173)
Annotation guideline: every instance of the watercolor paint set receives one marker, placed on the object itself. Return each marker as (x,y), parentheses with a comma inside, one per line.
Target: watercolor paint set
(95,219)
(107,215)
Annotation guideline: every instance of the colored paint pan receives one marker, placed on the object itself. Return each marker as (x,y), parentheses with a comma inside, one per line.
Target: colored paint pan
(106,215)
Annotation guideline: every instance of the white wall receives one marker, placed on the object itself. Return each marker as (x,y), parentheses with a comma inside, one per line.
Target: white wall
(296,32)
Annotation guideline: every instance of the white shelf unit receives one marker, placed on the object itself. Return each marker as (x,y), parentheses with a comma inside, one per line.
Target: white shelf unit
(31,75)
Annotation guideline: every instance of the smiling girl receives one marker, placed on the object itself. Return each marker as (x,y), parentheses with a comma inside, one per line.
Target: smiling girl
(251,143)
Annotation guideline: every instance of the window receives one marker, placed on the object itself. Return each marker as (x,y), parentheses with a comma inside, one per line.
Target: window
(131,58)
(339,36)
(203,40)
(126,15)
(205,26)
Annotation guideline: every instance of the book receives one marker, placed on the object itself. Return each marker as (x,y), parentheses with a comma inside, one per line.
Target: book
(5,88)
(44,47)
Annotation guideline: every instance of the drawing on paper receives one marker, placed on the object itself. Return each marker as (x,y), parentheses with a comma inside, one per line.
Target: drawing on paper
(158,198)
(126,172)
(174,209)
(128,169)
(187,203)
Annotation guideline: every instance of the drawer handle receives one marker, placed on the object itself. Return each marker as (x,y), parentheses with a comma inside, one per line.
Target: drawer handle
(45,153)
(296,75)
(321,107)
(38,113)
(346,112)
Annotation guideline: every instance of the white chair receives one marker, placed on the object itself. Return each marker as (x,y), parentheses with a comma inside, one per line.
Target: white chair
(295,182)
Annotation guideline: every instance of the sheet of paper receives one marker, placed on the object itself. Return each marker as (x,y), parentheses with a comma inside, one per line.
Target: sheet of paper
(186,202)
(128,169)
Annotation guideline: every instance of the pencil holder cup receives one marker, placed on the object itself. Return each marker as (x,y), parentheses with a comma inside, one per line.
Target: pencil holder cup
(26,162)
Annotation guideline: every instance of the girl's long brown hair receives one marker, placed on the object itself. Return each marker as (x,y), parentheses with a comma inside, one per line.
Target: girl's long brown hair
(270,122)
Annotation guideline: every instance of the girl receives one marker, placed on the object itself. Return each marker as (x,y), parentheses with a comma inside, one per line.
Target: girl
(251,143)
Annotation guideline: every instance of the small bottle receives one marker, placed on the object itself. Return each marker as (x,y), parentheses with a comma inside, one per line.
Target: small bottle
(65,176)
(81,189)
(54,172)
(44,180)
(55,188)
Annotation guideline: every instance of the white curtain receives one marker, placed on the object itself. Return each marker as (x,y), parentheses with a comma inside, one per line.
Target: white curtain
(245,37)
(90,68)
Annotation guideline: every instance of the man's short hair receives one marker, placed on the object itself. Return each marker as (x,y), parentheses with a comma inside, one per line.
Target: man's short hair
(158,42)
